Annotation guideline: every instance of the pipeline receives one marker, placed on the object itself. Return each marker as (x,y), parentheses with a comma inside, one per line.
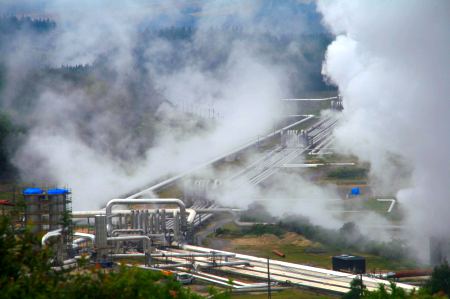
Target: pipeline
(119,201)
(50,234)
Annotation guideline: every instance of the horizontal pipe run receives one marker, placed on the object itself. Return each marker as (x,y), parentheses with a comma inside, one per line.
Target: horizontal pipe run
(117,232)
(219,158)
(168,266)
(227,264)
(299,267)
(127,255)
(93,213)
(217,210)
(192,255)
(85,236)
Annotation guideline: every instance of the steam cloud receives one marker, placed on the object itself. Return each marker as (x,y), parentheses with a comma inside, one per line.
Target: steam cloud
(391,62)
(116,131)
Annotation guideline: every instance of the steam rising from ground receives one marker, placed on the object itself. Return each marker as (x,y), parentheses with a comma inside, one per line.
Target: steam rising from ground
(107,139)
(391,62)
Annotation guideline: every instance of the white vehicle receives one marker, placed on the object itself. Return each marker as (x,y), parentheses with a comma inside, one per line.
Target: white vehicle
(185,278)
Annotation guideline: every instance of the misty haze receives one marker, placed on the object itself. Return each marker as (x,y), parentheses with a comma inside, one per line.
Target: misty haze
(224,149)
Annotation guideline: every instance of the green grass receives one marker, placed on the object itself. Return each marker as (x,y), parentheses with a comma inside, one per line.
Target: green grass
(285,294)
(172,191)
(321,257)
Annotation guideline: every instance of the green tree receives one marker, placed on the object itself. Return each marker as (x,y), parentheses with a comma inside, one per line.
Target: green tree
(356,289)
(26,273)
(440,280)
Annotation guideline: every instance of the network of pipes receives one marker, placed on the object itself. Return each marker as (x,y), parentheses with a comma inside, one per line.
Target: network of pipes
(293,146)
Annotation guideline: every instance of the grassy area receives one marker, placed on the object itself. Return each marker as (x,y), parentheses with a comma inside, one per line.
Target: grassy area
(285,294)
(261,240)
(320,256)
(172,191)
(348,173)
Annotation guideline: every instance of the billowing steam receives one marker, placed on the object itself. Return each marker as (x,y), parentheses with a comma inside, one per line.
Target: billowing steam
(391,62)
(139,105)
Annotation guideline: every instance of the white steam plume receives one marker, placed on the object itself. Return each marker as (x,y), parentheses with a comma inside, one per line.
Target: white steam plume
(391,62)
(244,88)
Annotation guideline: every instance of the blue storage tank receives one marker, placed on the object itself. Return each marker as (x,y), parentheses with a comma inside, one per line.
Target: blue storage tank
(355,191)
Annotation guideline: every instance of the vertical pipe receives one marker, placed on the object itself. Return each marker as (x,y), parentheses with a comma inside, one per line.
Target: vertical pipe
(132,220)
(176,226)
(157,228)
(153,223)
(141,219)
(163,220)
(145,222)
(100,236)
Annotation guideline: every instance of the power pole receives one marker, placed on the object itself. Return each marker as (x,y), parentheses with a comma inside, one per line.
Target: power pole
(269,290)
(361,292)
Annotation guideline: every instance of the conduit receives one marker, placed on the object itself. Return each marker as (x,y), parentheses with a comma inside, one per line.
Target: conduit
(119,201)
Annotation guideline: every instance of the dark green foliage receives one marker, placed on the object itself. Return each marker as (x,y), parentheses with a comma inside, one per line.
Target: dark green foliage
(7,133)
(356,289)
(261,229)
(438,286)
(348,173)
(11,25)
(26,273)
(256,212)
(440,280)
(348,237)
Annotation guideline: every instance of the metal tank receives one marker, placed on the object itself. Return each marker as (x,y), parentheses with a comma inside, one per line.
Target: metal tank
(34,205)
(57,201)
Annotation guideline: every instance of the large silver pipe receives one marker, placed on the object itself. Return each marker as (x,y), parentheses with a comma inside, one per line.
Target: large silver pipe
(50,234)
(120,231)
(120,201)
(85,236)
(217,210)
(168,266)
(126,255)
(196,254)
(119,213)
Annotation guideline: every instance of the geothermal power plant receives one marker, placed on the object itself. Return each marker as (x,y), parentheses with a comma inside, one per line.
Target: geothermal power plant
(160,233)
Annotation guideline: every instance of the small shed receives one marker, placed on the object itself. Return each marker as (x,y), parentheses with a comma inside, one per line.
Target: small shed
(349,263)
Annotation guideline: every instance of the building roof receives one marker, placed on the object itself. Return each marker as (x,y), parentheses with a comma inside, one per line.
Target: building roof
(57,191)
(33,191)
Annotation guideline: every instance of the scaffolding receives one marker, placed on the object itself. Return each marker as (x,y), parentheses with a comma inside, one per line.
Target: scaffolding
(48,210)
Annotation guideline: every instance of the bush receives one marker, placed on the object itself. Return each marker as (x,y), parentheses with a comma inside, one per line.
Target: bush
(26,273)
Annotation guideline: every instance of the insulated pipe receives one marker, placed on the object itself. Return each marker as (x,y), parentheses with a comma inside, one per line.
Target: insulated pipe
(196,254)
(85,236)
(217,210)
(119,201)
(127,255)
(119,213)
(119,231)
(191,216)
(168,266)
(50,234)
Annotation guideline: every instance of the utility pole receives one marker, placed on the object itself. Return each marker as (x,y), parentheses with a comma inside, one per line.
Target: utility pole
(269,290)
(361,292)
